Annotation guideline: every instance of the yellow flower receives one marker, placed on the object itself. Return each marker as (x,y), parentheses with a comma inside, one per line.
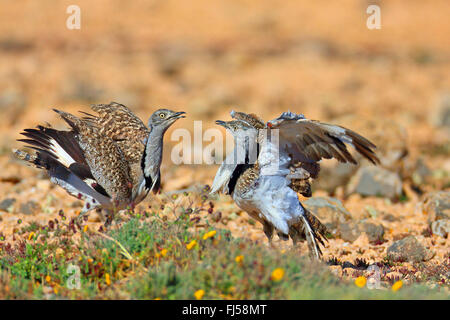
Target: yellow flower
(157,298)
(48,279)
(199,294)
(163,252)
(31,236)
(85,229)
(360,281)
(277,274)
(239,259)
(191,244)
(55,289)
(209,234)
(397,285)
(107,279)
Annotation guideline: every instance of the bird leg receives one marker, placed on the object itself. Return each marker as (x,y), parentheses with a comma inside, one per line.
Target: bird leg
(282,236)
(268,231)
(109,218)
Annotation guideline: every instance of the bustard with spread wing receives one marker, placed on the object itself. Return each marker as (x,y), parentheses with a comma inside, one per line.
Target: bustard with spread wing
(110,160)
(267,187)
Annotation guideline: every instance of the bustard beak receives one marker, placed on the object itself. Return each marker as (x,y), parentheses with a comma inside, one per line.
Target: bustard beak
(178,115)
(221,123)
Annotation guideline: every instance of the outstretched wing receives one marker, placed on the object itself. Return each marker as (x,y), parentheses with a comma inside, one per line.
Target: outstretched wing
(104,158)
(58,148)
(120,124)
(309,141)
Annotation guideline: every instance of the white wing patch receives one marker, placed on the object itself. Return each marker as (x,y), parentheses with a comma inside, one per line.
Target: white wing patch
(225,172)
(61,154)
(222,177)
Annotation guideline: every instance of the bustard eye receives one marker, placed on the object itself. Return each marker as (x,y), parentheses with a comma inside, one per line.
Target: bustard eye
(162,115)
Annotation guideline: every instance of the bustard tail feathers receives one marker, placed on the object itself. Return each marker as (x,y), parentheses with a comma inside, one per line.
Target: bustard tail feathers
(60,145)
(58,149)
(310,228)
(65,178)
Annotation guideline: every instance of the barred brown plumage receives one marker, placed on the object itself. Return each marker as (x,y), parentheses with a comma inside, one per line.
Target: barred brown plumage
(102,159)
(267,189)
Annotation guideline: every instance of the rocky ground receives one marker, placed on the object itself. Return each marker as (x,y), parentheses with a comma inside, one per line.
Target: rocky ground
(391,85)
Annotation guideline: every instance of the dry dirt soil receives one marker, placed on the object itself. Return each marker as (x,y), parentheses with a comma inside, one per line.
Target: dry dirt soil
(208,57)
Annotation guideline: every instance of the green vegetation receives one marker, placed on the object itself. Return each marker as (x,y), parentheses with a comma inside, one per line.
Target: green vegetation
(168,260)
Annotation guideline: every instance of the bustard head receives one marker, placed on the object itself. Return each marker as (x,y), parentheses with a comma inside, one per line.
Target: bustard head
(164,118)
(245,140)
(235,126)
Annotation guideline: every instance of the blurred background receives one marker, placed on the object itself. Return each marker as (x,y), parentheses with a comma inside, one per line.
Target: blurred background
(318,58)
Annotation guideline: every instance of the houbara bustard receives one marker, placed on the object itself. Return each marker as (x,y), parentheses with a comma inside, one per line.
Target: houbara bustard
(266,186)
(110,160)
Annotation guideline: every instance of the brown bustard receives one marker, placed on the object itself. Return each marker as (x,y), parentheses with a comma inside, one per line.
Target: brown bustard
(110,160)
(272,162)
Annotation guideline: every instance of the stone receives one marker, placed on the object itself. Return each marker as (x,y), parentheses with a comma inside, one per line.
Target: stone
(6,204)
(333,176)
(408,249)
(348,232)
(420,172)
(441,227)
(375,181)
(440,116)
(437,205)
(330,211)
(30,207)
(375,232)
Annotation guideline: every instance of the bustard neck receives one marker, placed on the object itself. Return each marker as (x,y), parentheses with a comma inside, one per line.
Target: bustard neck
(152,157)
(246,147)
